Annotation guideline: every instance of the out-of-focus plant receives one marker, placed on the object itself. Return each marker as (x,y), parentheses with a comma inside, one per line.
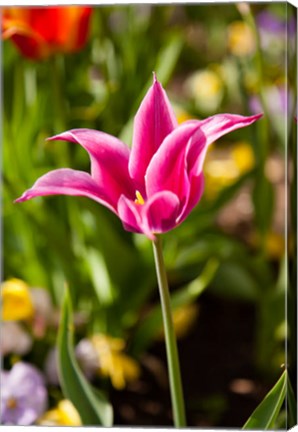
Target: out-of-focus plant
(41,32)
(113,363)
(64,414)
(222,172)
(16,300)
(14,339)
(241,39)
(100,87)
(23,395)
(206,89)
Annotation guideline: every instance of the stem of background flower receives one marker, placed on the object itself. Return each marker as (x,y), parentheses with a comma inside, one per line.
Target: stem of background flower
(57,88)
(261,151)
(170,338)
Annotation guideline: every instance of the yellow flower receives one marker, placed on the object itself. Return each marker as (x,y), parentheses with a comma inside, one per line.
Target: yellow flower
(222,170)
(241,39)
(274,244)
(16,300)
(116,365)
(205,87)
(64,414)
(243,156)
(182,115)
(184,318)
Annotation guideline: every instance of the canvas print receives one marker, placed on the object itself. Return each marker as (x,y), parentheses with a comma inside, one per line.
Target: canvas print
(149,215)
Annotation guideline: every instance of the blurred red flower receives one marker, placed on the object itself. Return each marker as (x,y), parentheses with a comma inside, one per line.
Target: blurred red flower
(39,32)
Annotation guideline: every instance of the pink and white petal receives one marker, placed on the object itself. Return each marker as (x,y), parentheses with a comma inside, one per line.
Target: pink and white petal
(220,124)
(196,190)
(130,214)
(109,160)
(159,213)
(66,181)
(212,128)
(167,169)
(154,120)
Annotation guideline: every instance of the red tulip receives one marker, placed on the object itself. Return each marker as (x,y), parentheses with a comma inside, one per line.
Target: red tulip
(42,31)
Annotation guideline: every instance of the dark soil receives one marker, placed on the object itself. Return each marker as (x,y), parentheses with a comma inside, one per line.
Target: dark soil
(221,385)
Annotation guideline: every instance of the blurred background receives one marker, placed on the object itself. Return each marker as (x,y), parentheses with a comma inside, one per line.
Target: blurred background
(231,265)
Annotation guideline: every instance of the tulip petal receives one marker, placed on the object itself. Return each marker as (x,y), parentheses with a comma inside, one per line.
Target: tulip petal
(130,215)
(67,181)
(167,169)
(157,215)
(109,161)
(196,189)
(220,124)
(177,164)
(28,42)
(160,212)
(212,129)
(154,120)
(41,31)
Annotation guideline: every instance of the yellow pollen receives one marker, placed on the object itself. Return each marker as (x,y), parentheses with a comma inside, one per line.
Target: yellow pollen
(11,403)
(139,199)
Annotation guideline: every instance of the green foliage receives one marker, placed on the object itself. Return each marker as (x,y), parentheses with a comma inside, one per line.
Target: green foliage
(266,414)
(110,272)
(92,405)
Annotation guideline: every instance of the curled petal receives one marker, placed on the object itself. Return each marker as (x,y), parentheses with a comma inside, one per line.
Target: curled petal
(220,124)
(160,213)
(212,129)
(130,214)
(109,161)
(154,120)
(66,181)
(157,215)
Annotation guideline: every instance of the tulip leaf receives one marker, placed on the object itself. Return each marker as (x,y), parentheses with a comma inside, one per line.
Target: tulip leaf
(91,404)
(265,415)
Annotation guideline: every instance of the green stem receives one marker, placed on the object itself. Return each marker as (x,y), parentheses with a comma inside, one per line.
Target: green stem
(170,338)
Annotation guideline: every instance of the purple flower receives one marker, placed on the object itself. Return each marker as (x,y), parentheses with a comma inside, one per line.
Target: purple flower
(23,395)
(271,23)
(279,100)
(154,186)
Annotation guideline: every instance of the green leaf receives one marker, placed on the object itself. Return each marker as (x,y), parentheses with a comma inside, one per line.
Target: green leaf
(100,276)
(167,58)
(266,413)
(291,406)
(91,404)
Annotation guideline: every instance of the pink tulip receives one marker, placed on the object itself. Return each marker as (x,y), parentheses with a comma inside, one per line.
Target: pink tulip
(154,186)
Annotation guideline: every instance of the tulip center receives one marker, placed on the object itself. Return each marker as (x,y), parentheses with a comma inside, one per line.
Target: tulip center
(139,199)
(11,403)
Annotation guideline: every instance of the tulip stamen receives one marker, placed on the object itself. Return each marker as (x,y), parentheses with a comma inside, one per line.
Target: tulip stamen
(139,199)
